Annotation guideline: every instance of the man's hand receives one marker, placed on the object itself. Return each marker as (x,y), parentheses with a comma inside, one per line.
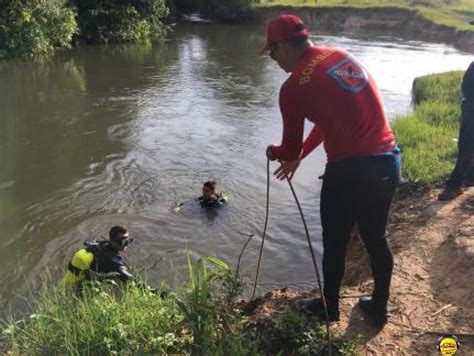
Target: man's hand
(290,167)
(269,153)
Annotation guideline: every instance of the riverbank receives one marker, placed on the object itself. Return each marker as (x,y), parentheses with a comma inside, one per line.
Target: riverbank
(414,23)
(431,292)
(432,241)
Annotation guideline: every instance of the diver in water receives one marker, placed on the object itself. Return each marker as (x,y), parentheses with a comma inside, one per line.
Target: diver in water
(210,199)
(100,260)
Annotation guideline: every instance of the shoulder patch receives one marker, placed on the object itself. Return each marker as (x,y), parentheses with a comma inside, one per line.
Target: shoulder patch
(349,74)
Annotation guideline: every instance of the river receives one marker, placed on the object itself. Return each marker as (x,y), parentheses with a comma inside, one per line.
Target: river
(100,136)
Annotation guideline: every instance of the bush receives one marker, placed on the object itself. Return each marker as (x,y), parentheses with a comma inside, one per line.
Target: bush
(32,27)
(228,10)
(107,21)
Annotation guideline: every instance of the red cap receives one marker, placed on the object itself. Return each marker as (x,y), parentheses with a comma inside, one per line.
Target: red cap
(282,28)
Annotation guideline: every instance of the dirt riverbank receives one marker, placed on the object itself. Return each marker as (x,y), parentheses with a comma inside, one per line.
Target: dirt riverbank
(387,21)
(432,288)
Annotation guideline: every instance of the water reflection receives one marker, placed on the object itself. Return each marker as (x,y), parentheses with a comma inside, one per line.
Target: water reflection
(108,135)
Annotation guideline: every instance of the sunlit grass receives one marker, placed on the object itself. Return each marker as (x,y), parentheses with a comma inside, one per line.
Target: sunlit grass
(428,151)
(428,136)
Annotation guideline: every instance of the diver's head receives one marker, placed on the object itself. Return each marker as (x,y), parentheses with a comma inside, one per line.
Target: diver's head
(119,238)
(209,189)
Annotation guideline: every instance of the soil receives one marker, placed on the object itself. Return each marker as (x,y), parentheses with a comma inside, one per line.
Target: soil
(432,290)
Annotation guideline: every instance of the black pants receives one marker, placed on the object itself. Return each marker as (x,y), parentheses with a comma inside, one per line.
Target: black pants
(464,170)
(357,190)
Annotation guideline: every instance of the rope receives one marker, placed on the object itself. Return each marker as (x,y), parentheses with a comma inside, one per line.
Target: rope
(264,230)
(328,333)
(313,257)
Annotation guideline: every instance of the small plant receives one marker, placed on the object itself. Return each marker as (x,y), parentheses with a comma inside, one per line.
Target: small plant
(210,309)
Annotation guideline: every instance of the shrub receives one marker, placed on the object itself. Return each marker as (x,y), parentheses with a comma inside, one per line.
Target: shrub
(108,21)
(32,27)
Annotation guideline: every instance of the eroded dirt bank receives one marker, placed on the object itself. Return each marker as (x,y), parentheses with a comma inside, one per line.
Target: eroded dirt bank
(390,21)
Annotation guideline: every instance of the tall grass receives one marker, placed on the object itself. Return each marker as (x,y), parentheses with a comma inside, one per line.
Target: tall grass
(114,319)
(428,136)
(105,320)
(202,319)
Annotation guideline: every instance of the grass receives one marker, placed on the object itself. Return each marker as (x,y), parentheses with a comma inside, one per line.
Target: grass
(428,136)
(451,13)
(201,319)
(103,321)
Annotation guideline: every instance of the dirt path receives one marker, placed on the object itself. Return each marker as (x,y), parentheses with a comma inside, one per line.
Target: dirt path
(433,283)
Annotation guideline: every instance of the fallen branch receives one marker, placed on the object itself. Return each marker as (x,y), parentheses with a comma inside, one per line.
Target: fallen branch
(447,306)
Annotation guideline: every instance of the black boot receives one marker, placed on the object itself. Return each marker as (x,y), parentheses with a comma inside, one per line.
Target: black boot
(377,312)
(316,307)
(450,193)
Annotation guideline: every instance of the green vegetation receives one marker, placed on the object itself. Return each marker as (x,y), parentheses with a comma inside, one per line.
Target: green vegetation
(451,13)
(33,27)
(204,319)
(106,21)
(428,135)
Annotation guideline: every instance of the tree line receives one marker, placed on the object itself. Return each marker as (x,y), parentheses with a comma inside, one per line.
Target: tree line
(35,27)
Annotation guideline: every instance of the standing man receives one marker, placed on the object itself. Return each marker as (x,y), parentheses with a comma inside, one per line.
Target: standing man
(330,88)
(463,172)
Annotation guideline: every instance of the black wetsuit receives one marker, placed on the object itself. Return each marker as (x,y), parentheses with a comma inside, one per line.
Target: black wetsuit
(211,204)
(107,260)
(464,170)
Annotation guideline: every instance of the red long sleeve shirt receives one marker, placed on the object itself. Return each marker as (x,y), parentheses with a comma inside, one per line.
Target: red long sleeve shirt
(332,89)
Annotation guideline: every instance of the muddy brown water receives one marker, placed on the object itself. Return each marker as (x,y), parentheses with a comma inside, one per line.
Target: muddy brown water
(117,135)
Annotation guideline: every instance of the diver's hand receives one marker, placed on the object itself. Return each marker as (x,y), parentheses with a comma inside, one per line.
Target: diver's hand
(269,153)
(290,167)
(177,208)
